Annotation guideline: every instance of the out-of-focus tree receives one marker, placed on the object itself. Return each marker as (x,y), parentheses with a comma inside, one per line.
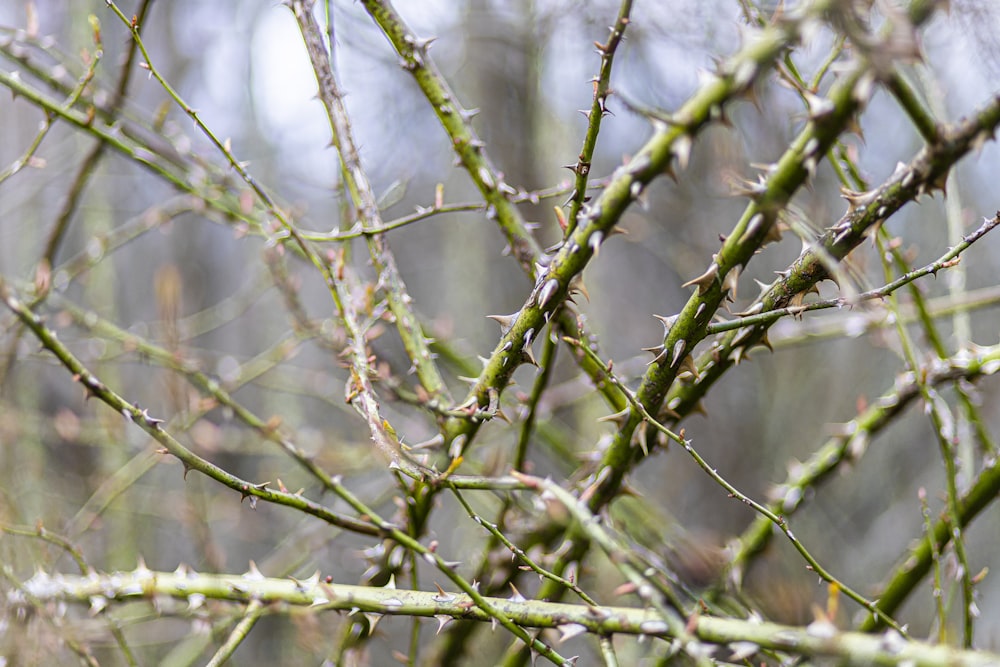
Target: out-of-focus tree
(300,289)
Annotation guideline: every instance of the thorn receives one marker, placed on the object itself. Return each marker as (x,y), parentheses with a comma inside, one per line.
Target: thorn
(756,307)
(594,242)
(706,78)
(705,280)
(677,354)
(738,354)
(774,232)
(872,232)
(744,73)
(753,226)
(640,439)
(940,182)
(547,292)
(505,321)
(819,107)
(570,630)
(540,270)
(443,620)
(857,200)
(689,366)
(730,282)
(425,43)
(669,171)
(660,356)
(628,490)
(854,126)
(682,150)
(667,322)
(810,164)
(252,573)
(373,620)
(863,88)
(619,418)
(750,94)
(576,286)
(751,189)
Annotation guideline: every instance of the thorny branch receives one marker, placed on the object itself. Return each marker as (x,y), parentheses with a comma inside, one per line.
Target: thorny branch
(363,199)
(742,637)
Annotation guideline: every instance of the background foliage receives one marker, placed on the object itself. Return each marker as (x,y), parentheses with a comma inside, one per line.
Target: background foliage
(242,320)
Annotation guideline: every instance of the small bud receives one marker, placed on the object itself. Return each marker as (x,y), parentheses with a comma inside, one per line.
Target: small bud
(561,218)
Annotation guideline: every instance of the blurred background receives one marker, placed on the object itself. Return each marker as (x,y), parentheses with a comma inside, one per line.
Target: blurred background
(201,289)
